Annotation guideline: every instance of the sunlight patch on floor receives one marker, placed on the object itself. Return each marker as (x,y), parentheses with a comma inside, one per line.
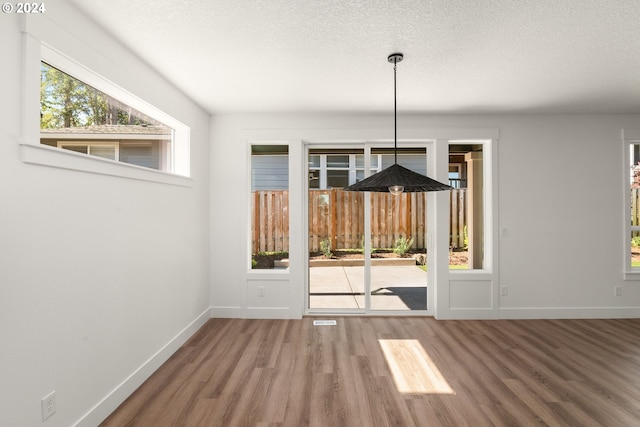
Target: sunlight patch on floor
(412,368)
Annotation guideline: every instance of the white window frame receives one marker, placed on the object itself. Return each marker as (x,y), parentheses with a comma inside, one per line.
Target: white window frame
(489,202)
(90,144)
(259,272)
(37,50)
(630,138)
(352,168)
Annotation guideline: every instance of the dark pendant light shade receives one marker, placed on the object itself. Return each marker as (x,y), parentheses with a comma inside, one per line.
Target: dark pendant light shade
(397,179)
(396,175)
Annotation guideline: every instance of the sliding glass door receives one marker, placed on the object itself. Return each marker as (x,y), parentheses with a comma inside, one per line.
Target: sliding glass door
(367,251)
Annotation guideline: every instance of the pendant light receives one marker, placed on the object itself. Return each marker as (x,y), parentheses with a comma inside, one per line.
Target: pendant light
(397,179)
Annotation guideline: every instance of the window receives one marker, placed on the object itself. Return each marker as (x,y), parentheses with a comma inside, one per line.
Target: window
(328,171)
(632,205)
(467,207)
(77,117)
(269,206)
(455,176)
(106,150)
(375,166)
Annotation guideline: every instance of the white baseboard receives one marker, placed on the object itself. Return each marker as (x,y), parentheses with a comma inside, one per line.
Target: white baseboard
(106,406)
(466,314)
(272,313)
(227,312)
(570,313)
(255,313)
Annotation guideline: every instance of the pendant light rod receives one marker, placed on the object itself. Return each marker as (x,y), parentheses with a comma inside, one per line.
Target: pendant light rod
(395,58)
(395,118)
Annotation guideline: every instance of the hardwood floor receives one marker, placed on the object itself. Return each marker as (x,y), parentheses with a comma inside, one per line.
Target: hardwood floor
(267,373)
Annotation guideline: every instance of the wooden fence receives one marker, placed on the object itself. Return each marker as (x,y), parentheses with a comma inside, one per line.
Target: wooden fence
(339,216)
(270,221)
(635,210)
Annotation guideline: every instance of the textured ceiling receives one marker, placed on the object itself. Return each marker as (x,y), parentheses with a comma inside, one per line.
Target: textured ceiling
(330,55)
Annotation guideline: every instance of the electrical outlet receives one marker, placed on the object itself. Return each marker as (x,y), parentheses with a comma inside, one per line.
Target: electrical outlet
(260,291)
(504,291)
(617,291)
(48,405)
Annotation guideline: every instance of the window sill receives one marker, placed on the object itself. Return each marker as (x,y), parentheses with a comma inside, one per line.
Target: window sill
(631,275)
(54,157)
(267,273)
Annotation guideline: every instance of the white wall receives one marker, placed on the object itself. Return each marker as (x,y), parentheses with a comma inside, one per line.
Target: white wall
(560,198)
(101,277)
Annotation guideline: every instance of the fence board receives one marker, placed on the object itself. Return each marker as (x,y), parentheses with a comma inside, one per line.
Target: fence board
(339,216)
(375,223)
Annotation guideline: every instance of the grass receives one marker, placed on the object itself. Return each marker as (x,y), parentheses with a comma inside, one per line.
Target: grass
(273,253)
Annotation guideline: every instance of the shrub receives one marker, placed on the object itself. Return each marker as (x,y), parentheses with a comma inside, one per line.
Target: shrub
(466,237)
(325,248)
(402,246)
(372,250)
(635,241)
(265,260)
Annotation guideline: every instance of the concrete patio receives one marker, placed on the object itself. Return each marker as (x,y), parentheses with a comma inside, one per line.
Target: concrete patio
(392,287)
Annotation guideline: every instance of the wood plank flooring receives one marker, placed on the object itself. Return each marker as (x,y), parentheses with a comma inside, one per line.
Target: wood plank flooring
(268,373)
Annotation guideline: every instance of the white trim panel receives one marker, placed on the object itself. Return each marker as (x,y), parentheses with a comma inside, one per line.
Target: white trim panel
(227,312)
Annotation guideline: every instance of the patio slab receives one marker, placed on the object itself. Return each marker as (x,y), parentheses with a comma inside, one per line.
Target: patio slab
(393,287)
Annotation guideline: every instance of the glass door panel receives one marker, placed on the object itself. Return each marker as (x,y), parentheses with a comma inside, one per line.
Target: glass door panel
(398,240)
(336,230)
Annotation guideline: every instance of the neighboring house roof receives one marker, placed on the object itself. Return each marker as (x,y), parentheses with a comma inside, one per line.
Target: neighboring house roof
(108,132)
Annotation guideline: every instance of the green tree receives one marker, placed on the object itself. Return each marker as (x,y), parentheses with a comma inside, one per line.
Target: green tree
(62,99)
(68,102)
